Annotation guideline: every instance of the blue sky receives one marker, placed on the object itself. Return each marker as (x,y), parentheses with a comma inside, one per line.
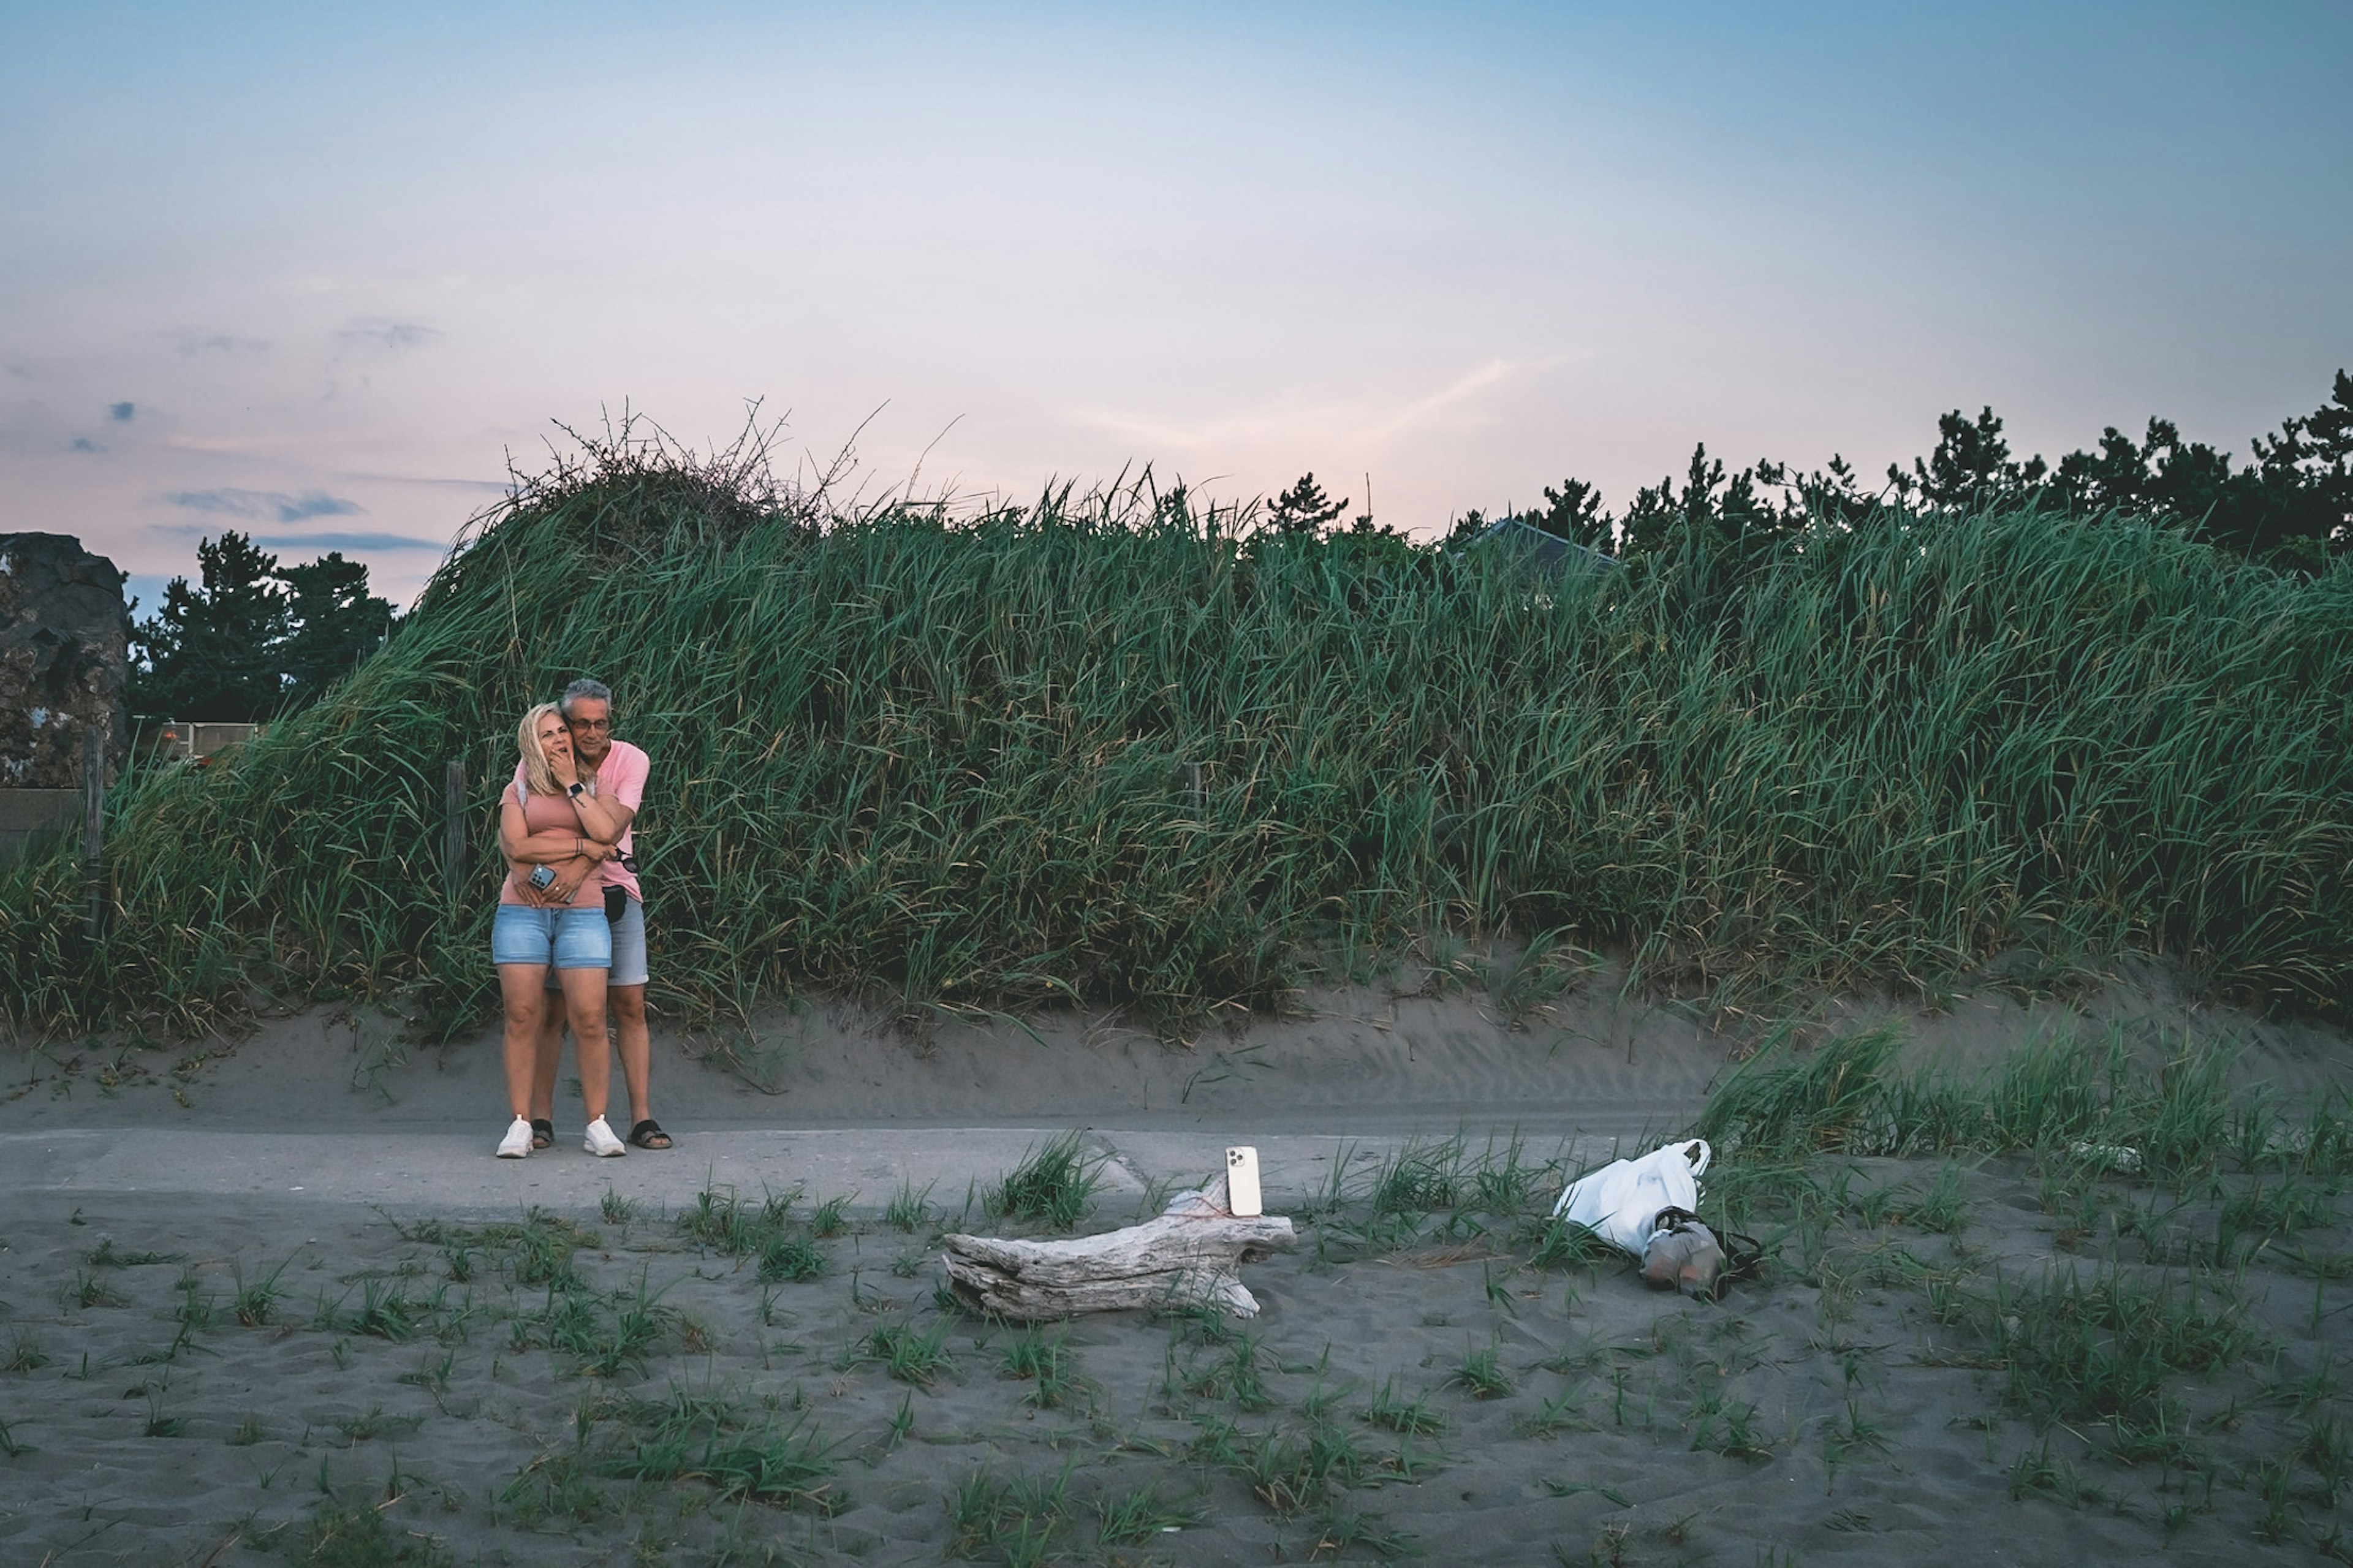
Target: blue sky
(315,273)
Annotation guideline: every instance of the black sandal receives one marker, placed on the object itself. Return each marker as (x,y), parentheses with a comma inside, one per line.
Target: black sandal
(543,1132)
(648,1134)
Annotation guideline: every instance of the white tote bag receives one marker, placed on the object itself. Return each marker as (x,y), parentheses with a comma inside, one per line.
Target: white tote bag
(1620,1202)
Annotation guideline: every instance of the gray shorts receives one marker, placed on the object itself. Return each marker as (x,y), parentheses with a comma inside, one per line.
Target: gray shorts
(628,949)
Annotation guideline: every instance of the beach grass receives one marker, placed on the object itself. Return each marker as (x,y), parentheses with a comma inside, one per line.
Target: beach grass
(1121,746)
(1032,1356)
(1055,1183)
(910,1209)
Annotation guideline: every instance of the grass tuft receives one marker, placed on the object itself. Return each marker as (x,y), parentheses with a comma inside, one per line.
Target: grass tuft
(907,1354)
(1481,1371)
(782,1464)
(1413,1417)
(1049,1361)
(88,1290)
(1021,1520)
(909,1209)
(2102,1350)
(339,1536)
(1055,1184)
(106,1255)
(1138,1517)
(254,1303)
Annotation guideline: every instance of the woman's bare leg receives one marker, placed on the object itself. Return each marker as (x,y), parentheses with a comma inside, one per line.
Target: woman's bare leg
(584,1003)
(551,1056)
(522,988)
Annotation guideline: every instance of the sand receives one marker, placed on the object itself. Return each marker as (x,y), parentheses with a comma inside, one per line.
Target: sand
(1842,1407)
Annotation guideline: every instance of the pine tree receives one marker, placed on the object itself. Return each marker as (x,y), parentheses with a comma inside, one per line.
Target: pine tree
(1971,467)
(211,653)
(252,639)
(1304,509)
(1573,513)
(336,623)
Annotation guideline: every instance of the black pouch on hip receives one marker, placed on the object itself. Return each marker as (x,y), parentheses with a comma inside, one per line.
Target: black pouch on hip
(616,904)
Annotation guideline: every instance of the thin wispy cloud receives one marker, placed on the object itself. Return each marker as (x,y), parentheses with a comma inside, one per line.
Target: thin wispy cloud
(1295,421)
(266,440)
(348,541)
(123,413)
(1464,390)
(379,332)
(270,506)
(496,486)
(193,343)
(84,444)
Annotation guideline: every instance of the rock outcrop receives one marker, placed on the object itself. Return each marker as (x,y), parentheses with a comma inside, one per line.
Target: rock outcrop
(64,658)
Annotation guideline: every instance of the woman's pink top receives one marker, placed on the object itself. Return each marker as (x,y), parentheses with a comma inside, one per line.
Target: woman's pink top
(553,814)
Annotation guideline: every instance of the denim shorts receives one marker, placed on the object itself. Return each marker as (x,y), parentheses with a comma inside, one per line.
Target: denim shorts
(628,949)
(565,938)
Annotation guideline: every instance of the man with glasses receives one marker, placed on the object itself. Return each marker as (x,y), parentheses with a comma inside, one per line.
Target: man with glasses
(614,771)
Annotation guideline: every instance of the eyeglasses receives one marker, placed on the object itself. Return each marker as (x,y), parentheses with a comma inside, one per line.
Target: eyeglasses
(603,724)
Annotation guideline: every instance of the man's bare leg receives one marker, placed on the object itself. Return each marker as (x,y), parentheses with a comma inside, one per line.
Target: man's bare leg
(634,1037)
(634,1040)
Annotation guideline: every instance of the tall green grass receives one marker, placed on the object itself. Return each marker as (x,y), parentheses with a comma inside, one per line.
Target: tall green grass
(2101,1102)
(1118,747)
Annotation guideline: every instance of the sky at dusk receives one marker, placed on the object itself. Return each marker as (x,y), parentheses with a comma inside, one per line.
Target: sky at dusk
(315,273)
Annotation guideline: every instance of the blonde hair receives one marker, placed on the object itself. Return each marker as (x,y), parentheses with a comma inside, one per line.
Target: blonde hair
(537,772)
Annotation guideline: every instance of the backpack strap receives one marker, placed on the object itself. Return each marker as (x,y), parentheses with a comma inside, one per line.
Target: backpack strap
(1744,1257)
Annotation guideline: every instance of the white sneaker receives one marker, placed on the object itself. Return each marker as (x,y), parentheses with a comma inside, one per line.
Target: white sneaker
(601,1141)
(516,1144)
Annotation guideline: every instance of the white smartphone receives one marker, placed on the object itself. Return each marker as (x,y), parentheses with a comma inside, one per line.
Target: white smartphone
(1243,1196)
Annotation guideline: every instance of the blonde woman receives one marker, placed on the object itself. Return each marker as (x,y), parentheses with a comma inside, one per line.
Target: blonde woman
(546,820)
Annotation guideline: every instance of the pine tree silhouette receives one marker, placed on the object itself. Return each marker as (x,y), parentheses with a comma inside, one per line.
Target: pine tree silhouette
(1305,509)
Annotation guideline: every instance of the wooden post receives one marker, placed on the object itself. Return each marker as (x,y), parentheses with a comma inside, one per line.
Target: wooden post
(93,823)
(453,830)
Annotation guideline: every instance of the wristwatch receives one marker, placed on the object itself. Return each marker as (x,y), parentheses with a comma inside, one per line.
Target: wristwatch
(576,791)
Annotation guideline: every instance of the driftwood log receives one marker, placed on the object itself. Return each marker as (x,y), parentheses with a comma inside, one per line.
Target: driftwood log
(1188,1256)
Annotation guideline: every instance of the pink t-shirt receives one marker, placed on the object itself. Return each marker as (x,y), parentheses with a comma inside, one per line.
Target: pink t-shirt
(550,814)
(621,779)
